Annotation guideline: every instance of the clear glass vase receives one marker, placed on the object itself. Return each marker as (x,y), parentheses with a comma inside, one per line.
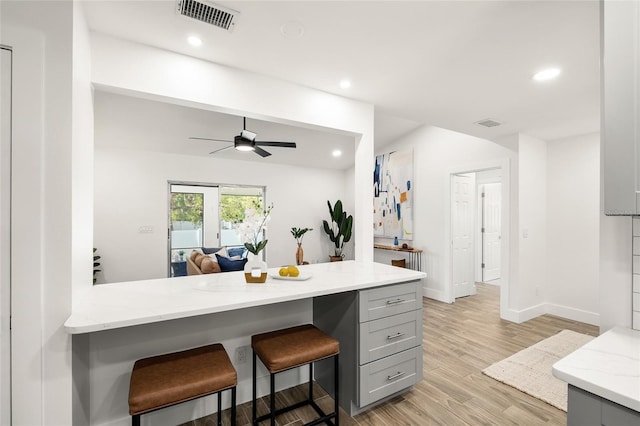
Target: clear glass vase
(255,270)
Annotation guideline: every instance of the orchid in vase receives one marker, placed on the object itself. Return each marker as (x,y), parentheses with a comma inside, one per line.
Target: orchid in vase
(251,230)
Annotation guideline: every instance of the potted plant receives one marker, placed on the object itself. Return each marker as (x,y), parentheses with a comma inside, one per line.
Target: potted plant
(96,264)
(339,231)
(298,234)
(251,232)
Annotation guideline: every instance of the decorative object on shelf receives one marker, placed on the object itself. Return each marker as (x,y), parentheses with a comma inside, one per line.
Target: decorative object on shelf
(298,234)
(395,241)
(340,230)
(393,195)
(95,264)
(251,232)
(181,254)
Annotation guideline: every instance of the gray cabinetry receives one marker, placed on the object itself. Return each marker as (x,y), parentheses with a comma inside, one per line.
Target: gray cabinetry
(620,128)
(380,334)
(587,409)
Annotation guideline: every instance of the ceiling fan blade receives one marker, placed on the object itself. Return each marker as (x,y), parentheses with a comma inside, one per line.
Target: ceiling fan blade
(209,139)
(261,152)
(278,144)
(221,149)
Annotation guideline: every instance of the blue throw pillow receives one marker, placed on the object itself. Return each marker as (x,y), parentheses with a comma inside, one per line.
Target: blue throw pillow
(236,251)
(228,265)
(210,250)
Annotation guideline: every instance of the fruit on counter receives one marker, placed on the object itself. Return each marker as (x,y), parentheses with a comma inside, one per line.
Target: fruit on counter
(293,271)
(284,271)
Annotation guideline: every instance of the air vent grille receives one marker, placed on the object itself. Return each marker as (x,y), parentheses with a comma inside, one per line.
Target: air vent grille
(488,123)
(208,12)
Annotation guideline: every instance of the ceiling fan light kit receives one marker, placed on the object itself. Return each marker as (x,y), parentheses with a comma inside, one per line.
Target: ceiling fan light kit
(246,141)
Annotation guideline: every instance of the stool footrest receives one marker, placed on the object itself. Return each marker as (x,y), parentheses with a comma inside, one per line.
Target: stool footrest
(324,417)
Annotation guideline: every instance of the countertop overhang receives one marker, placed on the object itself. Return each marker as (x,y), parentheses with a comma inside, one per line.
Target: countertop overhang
(607,366)
(125,304)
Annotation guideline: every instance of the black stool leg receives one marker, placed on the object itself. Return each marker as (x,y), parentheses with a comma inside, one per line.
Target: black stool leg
(310,381)
(272,402)
(135,420)
(233,406)
(254,414)
(336,386)
(220,408)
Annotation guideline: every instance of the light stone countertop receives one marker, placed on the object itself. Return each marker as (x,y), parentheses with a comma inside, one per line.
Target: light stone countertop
(607,366)
(125,304)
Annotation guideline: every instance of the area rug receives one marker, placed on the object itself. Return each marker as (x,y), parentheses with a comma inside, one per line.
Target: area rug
(530,369)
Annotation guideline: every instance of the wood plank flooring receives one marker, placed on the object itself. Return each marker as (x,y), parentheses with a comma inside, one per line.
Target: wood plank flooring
(459,341)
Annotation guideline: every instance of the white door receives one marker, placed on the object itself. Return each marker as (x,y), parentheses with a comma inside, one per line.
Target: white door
(462,190)
(5,236)
(491,239)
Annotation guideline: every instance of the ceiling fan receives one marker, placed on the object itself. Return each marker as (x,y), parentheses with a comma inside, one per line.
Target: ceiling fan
(246,141)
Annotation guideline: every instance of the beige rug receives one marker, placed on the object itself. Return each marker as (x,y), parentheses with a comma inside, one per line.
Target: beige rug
(530,369)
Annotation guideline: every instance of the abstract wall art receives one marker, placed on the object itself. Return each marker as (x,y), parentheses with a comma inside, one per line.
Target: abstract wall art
(393,195)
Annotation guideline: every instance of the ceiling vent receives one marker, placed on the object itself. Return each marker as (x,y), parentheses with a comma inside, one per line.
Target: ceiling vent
(208,12)
(487,122)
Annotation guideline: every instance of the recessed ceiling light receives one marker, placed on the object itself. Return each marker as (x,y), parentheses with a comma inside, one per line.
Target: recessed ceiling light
(194,41)
(546,74)
(336,153)
(345,84)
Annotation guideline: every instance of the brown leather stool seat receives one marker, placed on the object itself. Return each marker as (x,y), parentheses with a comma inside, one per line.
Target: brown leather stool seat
(165,380)
(289,348)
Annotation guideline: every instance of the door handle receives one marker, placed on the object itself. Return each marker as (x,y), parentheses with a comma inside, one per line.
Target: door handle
(394,302)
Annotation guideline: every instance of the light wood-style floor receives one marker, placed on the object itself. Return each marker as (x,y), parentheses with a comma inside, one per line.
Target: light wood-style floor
(459,341)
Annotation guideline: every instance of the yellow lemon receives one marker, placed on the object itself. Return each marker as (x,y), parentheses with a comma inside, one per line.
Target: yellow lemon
(283,271)
(293,271)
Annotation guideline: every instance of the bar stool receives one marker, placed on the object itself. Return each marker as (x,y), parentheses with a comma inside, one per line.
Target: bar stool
(289,348)
(165,380)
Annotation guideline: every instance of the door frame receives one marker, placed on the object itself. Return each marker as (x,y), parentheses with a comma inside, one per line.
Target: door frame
(6,352)
(505,220)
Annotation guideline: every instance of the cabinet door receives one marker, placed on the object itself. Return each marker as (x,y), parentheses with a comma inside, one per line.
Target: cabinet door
(620,105)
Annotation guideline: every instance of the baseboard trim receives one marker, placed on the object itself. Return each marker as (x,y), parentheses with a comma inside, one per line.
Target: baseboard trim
(434,294)
(574,314)
(532,312)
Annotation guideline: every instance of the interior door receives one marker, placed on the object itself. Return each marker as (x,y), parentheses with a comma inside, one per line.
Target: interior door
(491,235)
(5,236)
(462,217)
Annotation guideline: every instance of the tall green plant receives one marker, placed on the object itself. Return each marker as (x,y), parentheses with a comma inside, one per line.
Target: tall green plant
(95,264)
(339,231)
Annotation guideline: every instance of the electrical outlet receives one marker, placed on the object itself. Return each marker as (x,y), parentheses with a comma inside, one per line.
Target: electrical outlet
(242,354)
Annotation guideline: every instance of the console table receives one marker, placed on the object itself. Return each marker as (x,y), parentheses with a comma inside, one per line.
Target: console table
(415,255)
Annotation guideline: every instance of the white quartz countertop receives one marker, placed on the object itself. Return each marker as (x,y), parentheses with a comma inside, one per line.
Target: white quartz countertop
(607,366)
(110,306)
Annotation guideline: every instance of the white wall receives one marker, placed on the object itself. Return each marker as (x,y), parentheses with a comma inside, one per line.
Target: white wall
(437,152)
(42,206)
(156,74)
(126,201)
(532,231)
(573,202)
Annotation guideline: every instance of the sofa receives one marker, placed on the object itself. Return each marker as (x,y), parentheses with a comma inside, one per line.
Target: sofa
(215,260)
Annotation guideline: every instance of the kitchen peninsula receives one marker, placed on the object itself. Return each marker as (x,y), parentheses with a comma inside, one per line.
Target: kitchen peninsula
(115,324)
(604,380)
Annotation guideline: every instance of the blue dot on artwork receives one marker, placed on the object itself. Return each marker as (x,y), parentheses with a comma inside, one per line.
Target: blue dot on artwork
(399,215)
(408,185)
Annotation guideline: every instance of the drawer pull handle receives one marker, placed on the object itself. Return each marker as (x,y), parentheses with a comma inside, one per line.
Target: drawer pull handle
(395,336)
(394,302)
(395,376)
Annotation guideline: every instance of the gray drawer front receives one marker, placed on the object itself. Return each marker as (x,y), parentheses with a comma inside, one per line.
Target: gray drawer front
(390,300)
(389,375)
(390,335)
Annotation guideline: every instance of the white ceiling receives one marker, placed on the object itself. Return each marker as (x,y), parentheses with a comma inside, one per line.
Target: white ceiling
(444,63)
